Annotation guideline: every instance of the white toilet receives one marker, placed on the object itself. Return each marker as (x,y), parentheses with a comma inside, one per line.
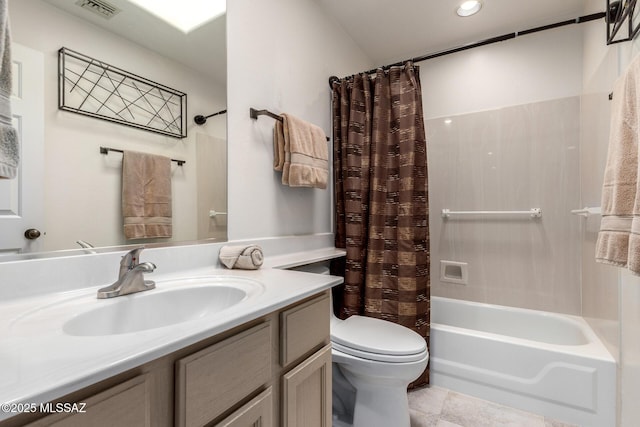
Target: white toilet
(373,363)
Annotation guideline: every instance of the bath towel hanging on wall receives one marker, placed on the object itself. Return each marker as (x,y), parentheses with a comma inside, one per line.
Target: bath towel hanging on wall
(146,195)
(619,237)
(9,144)
(380,175)
(300,152)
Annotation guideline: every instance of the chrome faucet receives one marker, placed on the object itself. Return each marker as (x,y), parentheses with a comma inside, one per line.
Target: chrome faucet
(88,247)
(84,244)
(130,277)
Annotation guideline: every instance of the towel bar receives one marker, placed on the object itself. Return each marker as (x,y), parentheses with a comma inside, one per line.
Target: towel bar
(105,150)
(253,113)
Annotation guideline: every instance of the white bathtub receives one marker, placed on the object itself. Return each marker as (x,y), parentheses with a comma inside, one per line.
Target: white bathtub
(546,363)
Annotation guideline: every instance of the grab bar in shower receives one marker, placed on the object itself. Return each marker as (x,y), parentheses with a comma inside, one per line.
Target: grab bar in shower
(533,213)
(214,213)
(587,211)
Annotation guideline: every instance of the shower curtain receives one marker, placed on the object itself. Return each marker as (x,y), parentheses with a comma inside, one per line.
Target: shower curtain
(382,220)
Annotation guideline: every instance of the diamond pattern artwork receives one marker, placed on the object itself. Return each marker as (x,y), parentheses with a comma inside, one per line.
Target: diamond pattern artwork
(94,88)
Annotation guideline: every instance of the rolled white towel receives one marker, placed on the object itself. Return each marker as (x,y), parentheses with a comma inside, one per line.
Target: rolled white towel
(248,257)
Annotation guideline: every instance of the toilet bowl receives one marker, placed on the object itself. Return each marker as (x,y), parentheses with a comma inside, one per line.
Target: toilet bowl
(373,363)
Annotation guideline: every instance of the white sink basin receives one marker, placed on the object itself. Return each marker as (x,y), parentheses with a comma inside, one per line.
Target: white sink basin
(170,303)
(186,300)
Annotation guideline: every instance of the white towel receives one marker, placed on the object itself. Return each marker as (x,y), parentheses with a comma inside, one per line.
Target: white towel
(9,146)
(619,238)
(248,257)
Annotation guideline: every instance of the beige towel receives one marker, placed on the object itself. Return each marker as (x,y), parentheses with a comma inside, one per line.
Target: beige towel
(248,257)
(306,154)
(619,238)
(146,195)
(278,146)
(9,145)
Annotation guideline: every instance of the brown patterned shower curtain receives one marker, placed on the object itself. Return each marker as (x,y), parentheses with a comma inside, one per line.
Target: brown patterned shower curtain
(382,213)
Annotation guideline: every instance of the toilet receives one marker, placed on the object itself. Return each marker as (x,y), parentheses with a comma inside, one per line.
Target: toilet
(373,363)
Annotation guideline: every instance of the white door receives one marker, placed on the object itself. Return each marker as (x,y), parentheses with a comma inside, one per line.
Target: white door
(21,199)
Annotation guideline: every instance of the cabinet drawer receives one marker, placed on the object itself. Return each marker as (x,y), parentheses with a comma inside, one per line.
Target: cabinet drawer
(212,380)
(258,412)
(126,404)
(304,328)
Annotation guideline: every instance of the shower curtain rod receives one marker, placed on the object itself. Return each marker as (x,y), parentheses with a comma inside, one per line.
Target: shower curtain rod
(578,20)
(200,119)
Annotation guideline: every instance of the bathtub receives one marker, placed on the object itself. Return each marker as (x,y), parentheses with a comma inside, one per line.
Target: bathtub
(547,363)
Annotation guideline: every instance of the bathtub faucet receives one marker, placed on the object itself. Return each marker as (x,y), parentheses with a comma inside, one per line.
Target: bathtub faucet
(130,276)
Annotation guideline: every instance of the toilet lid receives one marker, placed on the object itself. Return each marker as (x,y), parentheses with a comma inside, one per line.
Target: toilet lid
(368,337)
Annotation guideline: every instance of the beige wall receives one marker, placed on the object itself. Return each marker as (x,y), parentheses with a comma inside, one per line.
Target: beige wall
(512,158)
(599,282)
(610,295)
(82,187)
(281,54)
(629,306)
(512,144)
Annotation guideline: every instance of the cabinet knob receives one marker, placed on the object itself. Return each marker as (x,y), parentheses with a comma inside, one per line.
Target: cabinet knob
(32,234)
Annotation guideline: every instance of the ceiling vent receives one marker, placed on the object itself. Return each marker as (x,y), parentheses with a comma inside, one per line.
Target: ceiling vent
(99,7)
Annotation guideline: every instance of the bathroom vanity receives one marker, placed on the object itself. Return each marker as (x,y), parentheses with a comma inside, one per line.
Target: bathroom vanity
(266,360)
(275,370)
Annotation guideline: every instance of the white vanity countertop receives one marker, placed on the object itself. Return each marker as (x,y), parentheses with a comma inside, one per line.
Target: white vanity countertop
(296,259)
(39,362)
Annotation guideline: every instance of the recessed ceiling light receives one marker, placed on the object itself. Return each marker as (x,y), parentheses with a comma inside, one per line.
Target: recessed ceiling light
(186,15)
(469,8)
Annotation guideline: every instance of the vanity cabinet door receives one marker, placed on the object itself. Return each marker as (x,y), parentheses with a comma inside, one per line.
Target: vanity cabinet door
(211,381)
(306,392)
(126,404)
(257,413)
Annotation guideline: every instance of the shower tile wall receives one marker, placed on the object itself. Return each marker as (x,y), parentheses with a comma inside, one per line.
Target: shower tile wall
(513,158)
(600,292)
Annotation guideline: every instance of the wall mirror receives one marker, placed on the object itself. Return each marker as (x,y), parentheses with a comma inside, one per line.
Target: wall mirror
(80,187)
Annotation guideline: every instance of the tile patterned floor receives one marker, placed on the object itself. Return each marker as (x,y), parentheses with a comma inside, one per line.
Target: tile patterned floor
(439,407)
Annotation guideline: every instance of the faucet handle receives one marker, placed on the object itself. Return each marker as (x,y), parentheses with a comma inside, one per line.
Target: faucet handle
(131,258)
